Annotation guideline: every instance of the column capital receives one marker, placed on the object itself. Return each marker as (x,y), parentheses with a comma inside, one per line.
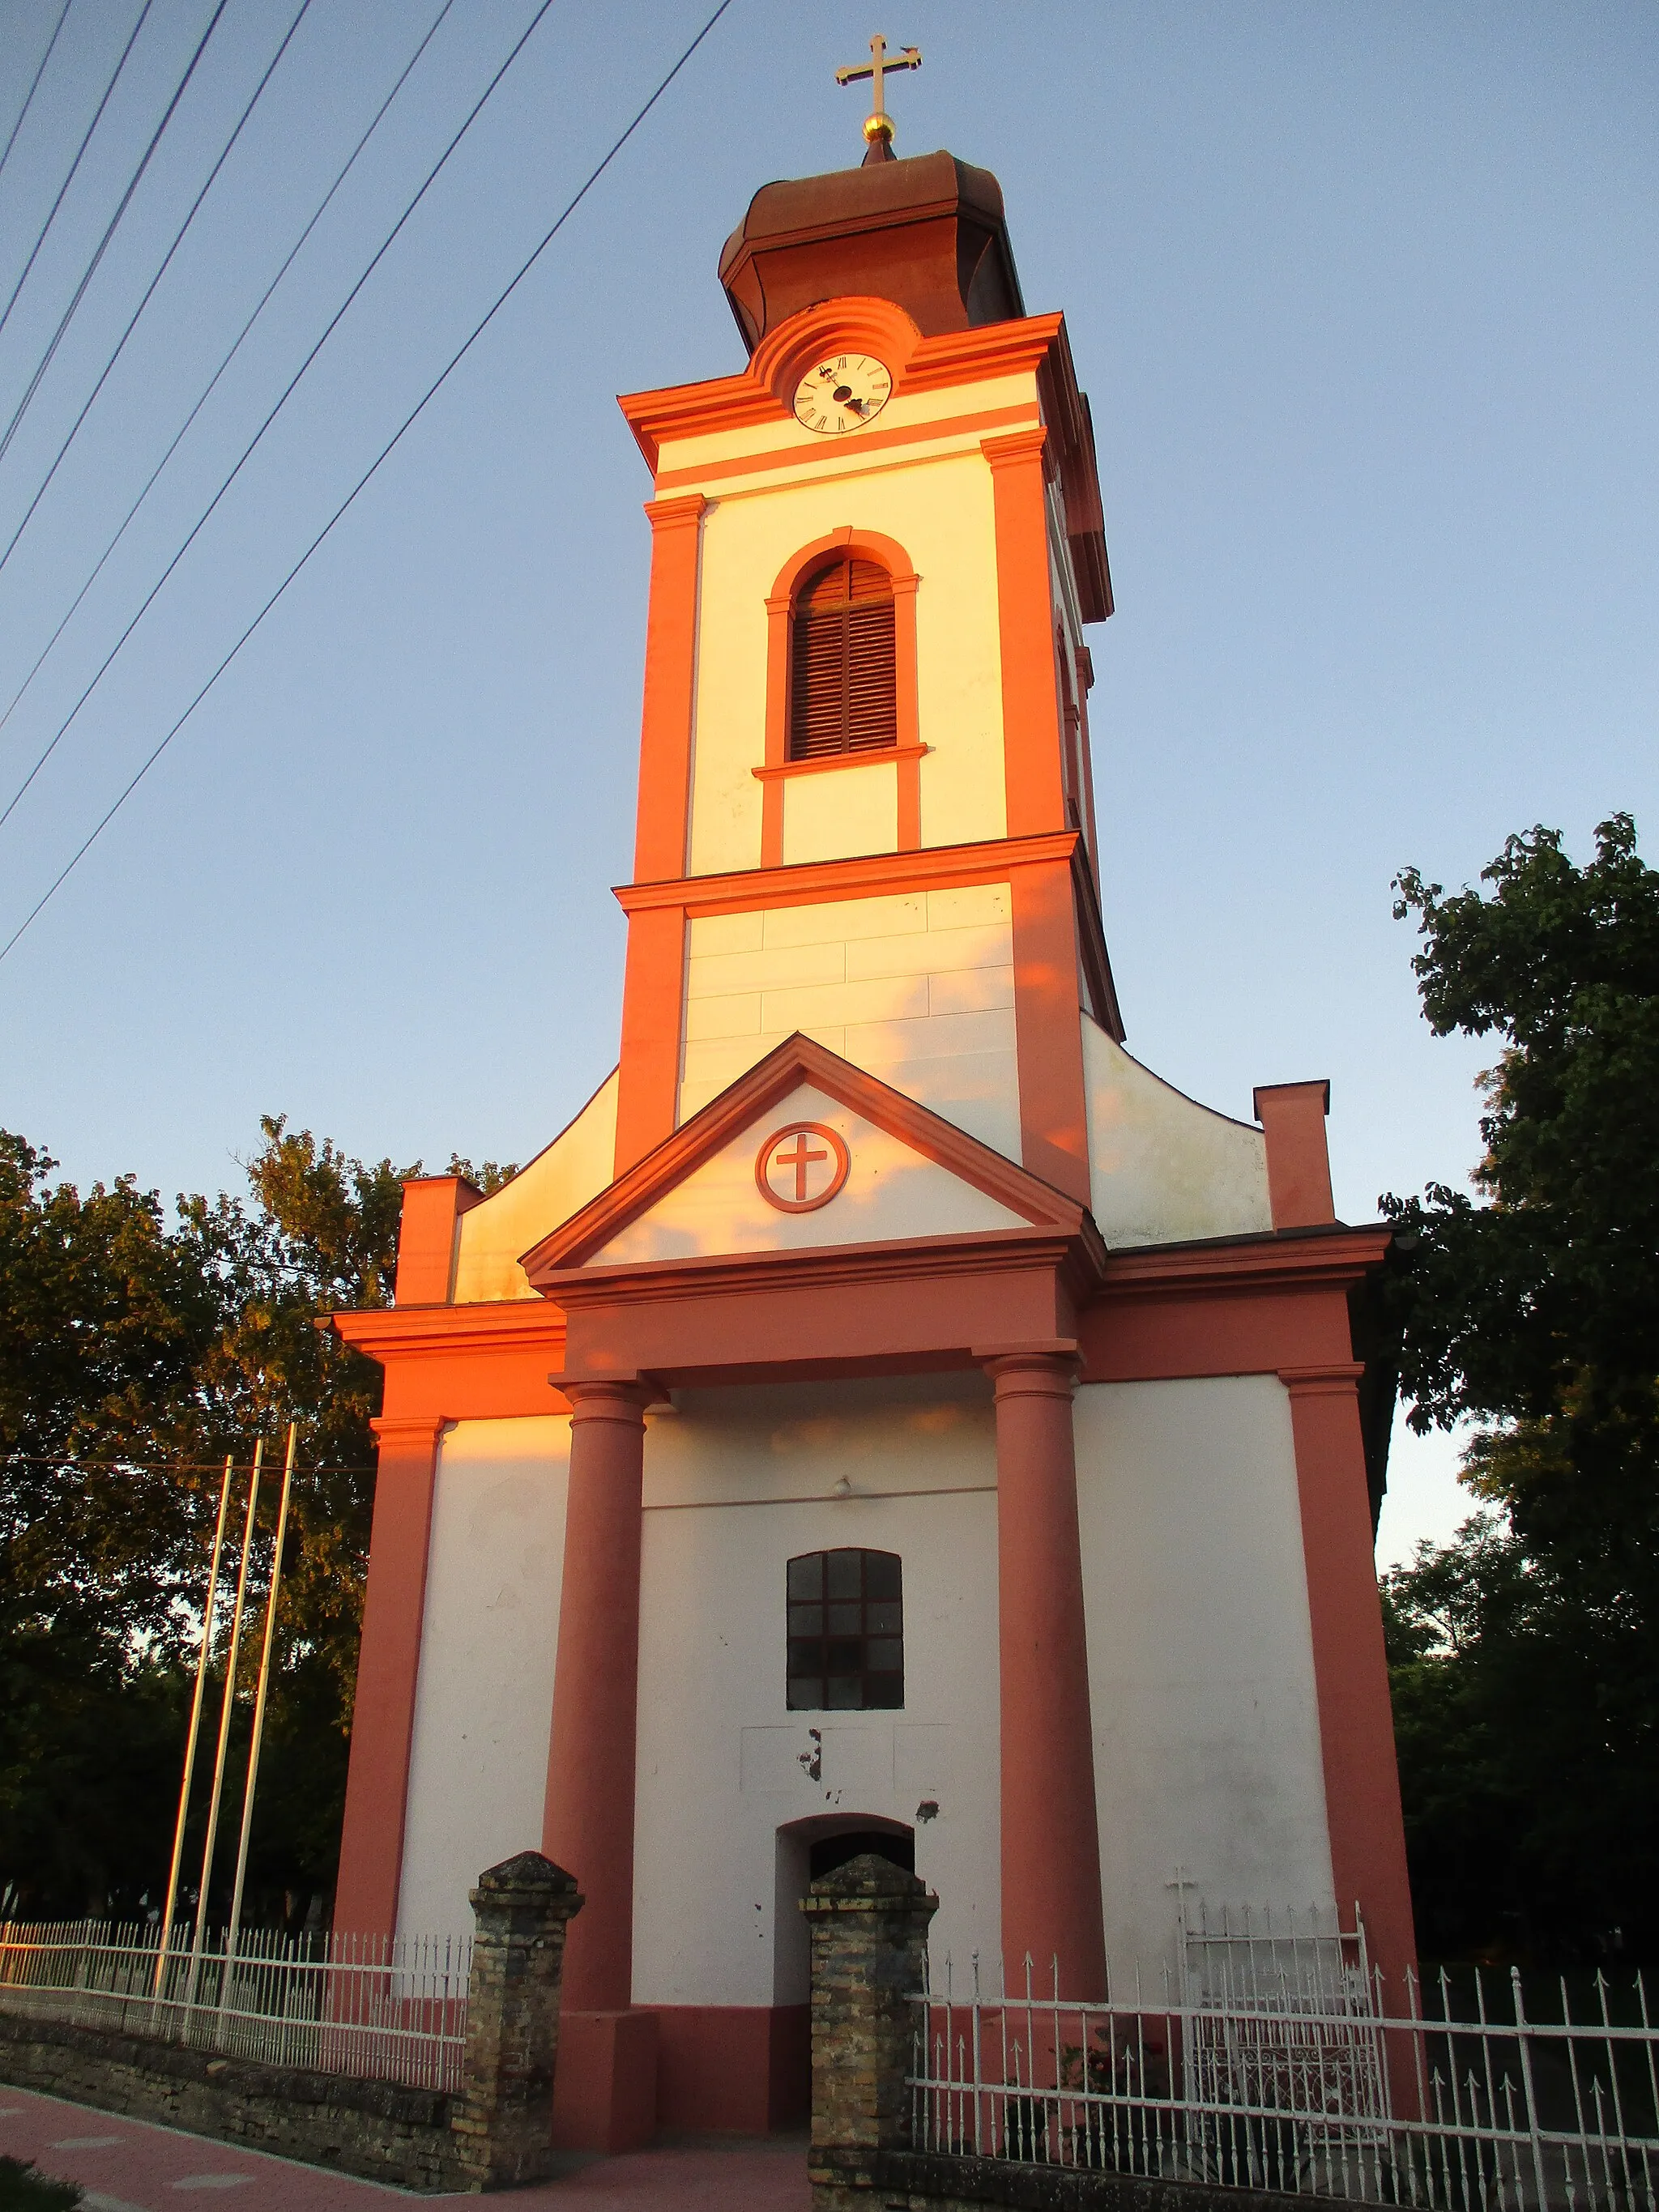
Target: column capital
(1333,1379)
(609,1397)
(409,1431)
(668,513)
(1045,1370)
(1011,447)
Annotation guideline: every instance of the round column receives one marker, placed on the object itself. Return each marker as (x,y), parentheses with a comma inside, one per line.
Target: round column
(589,1821)
(1051,1906)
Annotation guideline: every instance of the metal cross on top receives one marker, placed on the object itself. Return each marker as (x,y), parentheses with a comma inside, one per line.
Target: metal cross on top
(879,124)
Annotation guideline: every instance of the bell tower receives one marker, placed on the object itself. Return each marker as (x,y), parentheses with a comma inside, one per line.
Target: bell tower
(865,807)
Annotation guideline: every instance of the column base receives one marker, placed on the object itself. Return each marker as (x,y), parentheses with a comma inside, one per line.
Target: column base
(604,2088)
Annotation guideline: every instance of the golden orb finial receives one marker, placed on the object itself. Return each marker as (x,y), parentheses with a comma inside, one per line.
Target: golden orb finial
(878,124)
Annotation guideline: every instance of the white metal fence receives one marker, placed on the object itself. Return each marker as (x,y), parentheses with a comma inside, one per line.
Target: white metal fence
(1270,2058)
(384,2010)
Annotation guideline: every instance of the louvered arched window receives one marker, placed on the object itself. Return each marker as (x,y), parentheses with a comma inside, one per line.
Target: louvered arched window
(843,676)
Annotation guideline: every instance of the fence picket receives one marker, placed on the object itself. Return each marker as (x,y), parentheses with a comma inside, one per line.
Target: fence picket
(379,2009)
(1275,2062)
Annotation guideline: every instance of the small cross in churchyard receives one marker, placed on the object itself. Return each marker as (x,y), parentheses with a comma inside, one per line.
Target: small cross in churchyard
(799,1160)
(879,124)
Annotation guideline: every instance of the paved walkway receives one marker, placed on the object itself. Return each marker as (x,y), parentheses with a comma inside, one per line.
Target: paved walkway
(129,2166)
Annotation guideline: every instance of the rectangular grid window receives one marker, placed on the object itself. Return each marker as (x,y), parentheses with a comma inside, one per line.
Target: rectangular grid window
(846,1632)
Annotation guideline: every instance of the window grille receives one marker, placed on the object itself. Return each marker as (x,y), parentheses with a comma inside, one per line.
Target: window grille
(843,689)
(846,1632)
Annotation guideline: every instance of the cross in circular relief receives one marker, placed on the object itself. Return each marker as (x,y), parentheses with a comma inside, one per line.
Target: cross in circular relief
(801,1167)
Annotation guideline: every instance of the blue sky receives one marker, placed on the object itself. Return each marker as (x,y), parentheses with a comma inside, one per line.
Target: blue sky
(1364,295)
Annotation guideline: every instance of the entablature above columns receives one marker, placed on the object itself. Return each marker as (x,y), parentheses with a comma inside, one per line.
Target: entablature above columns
(1275,1303)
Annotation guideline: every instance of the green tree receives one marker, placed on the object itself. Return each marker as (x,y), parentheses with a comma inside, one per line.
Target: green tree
(1528,1708)
(134,1355)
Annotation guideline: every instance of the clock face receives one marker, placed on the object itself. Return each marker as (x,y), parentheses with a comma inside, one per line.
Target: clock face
(840,392)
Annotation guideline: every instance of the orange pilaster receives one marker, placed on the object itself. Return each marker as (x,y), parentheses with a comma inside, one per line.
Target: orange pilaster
(654,982)
(1053,1120)
(388,1668)
(670,662)
(647,1084)
(1356,1722)
(1026,625)
(1051,1903)
(605,2098)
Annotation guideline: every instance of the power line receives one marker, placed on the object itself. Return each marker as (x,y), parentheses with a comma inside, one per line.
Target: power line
(51,215)
(430,393)
(91,269)
(34,86)
(247,451)
(166,258)
(235,348)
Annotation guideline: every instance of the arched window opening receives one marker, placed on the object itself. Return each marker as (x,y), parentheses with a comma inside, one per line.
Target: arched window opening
(844,683)
(846,1632)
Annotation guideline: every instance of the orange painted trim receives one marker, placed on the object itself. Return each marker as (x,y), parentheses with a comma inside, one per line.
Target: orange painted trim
(461,1362)
(785,770)
(804,883)
(388,1670)
(926,1304)
(858,1311)
(889,555)
(1032,753)
(734,2069)
(989,350)
(1263,1306)
(671,638)
(858,441)
(1293,1118)
(654,990)
(1047,1029)
(1356,1722)
(761,393)
(798,1060)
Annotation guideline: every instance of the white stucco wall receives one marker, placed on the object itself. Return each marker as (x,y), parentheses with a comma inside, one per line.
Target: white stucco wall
(575,1167)
(1162,1168)
(1207,1762)
(937,505)
(834,814)
(916,987)
(478,1773)
(738,1482)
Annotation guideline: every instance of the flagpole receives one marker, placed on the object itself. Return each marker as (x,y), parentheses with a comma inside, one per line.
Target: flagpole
(226,1710)
(257,1737)
(195,1731)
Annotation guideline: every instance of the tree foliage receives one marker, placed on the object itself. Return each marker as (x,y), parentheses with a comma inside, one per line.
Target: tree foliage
(1527,1654)
(137,1352)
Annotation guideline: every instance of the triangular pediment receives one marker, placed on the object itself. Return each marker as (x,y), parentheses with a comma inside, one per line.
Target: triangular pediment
(804,1151)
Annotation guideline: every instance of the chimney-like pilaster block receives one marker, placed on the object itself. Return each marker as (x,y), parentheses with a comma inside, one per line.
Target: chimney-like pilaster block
(1293,1118)
(426,1237)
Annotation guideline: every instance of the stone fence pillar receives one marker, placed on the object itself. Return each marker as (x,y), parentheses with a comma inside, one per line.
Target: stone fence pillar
(868,1926)
(503,2120)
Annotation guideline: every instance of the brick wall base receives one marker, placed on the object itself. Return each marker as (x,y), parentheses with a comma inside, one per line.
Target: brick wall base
(375,2129)
(924,2181)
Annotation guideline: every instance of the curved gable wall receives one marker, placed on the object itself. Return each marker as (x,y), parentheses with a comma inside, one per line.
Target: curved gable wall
(1162,1168)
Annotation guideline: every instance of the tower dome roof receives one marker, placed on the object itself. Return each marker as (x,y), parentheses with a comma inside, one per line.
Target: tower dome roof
(927,233)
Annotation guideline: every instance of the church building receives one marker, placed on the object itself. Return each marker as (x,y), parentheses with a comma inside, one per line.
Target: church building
(888,1416)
